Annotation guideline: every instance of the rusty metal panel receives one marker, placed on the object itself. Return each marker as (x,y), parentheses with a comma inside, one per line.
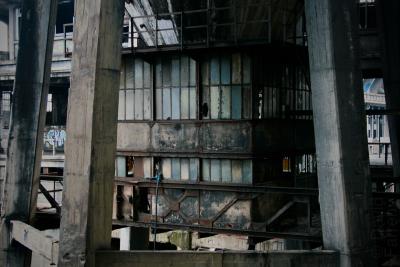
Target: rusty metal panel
(175,137)
(227,137)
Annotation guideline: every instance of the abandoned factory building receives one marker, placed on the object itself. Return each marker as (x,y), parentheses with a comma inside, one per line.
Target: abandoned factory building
(199,133)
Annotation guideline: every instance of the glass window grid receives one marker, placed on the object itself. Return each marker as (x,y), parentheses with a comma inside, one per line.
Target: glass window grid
(176,88)
(226,81)
(135,94)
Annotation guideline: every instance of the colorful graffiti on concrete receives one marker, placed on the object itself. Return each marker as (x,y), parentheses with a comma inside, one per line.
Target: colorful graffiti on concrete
(54,139)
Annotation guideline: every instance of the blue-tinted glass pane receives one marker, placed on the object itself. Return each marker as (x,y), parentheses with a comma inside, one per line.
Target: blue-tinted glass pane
(236,102)
(214,70)
(175,103)
(176,169)
(225,70)
(166,103)
(225,102)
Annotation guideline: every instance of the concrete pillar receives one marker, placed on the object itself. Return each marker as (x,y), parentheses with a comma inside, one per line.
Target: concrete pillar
(86,219)
(28,114)
(340,129)
(389,22)
(11,29)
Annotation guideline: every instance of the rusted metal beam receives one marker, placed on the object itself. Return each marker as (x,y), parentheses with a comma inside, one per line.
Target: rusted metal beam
(218,187)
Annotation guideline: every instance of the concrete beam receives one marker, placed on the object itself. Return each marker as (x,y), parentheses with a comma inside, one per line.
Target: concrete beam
(216,259)
(389,23)
(340,129)
(35,240)
(28,114)
(86,219)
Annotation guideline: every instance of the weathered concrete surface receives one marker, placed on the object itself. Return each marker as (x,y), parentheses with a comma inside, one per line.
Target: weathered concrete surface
(92,130)
(216,137)
(340,130)
(28,114)
(217,259)
(390,35)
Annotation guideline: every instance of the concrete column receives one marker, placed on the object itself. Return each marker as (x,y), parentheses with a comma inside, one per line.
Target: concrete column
(92,129)
(389,22)
(340,129)
(28,114)
(11,29)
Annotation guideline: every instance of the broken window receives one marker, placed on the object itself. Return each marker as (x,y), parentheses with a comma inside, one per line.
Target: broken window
(176,97)
(281,90)
(226,87)
(185,169)
(135,91)
(227,171)
(65,14)
(138,167)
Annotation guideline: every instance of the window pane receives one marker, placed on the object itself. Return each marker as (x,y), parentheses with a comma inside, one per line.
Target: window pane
(236,69)
(129,104)
(138,73)
(192,72)
(246,69)
(166,168)
(236,102)
(215,170)
(121,105)
(158,104)
(147,75)
(147,167)
(214,98)
(122,77)
(247,172)
(192,104)
(206,100)
(184,71)
(176,169)
(138,104)
(158,75)
(194,169)
(206,169)
(166,103)
(246,102)
(175,103)
(184,169)
(225,102)
(129,74)
(226,171)
(121,166)
(147,104)
(225,70)
(184,103)
(214,70)
(236,171)
(166,73)
(205,73)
